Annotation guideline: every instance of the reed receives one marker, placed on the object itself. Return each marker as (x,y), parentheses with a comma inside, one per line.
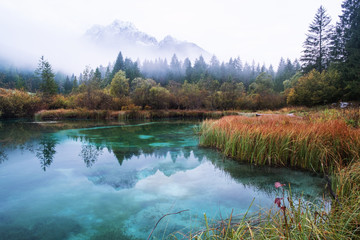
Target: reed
(291,219)
(326,142)
(320,146)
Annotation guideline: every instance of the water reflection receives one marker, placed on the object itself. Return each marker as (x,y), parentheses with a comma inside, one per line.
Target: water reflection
(94,175)
(137,143)
(26,135)
(46,151)
(90,154)
(3,155)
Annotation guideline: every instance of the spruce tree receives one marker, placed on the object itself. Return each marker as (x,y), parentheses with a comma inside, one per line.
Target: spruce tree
(349,45)
(96,79)
(68,85)
(175,69)
(119,65)
(75,85)
(45,73)
(317,44)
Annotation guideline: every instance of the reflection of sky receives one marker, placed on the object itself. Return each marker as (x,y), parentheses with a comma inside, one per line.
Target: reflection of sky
(135,194)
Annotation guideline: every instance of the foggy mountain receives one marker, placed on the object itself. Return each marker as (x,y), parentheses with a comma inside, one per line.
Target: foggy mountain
(125,37)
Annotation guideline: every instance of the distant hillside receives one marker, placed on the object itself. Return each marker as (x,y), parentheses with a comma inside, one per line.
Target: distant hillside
(125,37)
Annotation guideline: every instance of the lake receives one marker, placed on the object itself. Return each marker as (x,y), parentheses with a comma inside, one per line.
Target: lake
(115,180)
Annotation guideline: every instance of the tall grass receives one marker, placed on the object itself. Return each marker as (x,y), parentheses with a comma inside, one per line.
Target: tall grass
(297,220)
(320,146)
(327,142)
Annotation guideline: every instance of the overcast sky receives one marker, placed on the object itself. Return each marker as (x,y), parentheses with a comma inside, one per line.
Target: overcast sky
(260,30)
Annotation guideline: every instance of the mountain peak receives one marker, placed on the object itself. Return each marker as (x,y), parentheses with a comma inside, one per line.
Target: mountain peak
(118,24)
(169,40)
(124,36)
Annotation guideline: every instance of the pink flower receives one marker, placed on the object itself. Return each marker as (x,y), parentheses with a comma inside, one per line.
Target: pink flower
(278,201)
(277,185)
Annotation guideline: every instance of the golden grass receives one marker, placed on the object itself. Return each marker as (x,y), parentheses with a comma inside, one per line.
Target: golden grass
(322,146)
(326,142)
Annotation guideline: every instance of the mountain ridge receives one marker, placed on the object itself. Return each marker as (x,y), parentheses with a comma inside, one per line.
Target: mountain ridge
(126,37)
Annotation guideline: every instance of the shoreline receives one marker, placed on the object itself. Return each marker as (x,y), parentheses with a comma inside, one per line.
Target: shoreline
(65,114)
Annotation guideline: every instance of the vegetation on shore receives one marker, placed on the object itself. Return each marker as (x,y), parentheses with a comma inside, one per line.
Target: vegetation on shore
(326,142)
(312,143)
(327,73)
(62,114)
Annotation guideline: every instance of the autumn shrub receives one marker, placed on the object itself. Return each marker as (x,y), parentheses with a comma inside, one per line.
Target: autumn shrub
(120,103)
(96,99)
(315,88)
(18,104)
(58,101)
(131,107)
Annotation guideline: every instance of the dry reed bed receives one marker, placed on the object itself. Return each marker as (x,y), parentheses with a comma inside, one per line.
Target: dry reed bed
(60,114)
(321,146)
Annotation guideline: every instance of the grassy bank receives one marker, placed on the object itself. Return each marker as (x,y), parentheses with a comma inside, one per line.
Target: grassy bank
(318,144)
(62,114)
(326,142)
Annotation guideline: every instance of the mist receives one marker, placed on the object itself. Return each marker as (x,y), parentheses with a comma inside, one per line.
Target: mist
(70,52)
(56,30)
(65,50)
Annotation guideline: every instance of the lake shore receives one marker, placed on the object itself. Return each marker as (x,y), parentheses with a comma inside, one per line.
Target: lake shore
(326,142)
(63,114)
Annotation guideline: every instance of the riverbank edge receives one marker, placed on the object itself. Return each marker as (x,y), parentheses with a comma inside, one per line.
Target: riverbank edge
(65,114)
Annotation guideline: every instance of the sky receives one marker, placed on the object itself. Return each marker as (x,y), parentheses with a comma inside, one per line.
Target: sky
(259,30)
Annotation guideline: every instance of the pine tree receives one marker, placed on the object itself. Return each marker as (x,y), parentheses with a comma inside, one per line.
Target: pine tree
(96,79)
(279,77)
(45,73)
(271,71)
(316,52)
(119,65)
(214,67)
(131,69)
(75,85)
(199,69)
(349,48)
(68,85)
(107,78)
(175,69)
(188,69)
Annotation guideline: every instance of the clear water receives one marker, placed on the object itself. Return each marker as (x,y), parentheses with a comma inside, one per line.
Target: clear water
(94,180)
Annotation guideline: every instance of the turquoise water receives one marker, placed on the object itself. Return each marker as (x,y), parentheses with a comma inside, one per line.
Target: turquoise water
(115,180)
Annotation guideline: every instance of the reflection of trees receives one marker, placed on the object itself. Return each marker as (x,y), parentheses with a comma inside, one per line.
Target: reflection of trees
(3,155)
(303,184)
(90,154)
(125,144)
(124,141)
(46,151)
(26,135)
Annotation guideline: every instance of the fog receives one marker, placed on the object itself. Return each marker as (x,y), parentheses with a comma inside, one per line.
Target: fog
(256,30)
(23,45)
